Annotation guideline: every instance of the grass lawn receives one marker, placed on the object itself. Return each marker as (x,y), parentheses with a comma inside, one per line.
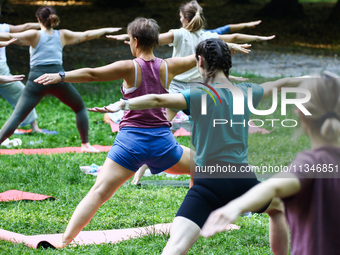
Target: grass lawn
(59,175)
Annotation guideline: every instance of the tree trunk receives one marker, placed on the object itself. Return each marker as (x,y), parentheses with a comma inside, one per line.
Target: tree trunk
(283,9)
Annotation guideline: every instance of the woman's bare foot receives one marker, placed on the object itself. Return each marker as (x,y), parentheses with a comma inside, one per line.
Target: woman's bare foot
(35,128)
(61,242)
(86,147)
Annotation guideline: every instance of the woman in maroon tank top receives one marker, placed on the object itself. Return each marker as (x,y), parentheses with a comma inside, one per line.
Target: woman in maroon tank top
(139,129)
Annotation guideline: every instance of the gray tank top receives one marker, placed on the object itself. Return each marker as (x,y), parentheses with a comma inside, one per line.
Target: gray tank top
(49,50)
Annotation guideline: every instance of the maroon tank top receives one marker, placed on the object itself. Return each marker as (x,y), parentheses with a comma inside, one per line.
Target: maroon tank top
(150,84)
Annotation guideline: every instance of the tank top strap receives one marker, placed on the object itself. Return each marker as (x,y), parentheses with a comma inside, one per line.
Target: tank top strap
(136,72)
(166,75)
(150,70)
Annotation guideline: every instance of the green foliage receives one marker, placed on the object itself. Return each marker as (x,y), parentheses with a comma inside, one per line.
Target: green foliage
(59,175)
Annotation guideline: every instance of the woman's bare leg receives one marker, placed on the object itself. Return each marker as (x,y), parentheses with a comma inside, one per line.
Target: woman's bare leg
(185,165)
(35,127)
(183,234)
(109,179)
(139,174)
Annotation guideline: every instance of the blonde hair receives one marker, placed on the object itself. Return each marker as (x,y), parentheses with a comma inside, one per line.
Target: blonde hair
(324,104)
(193,12)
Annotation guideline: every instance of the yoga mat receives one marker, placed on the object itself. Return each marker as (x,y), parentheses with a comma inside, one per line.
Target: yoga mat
(85,237)
(51,150)
(182,132)
(163,183)
(114,127)
(26,131)
(15,195)
(90,237)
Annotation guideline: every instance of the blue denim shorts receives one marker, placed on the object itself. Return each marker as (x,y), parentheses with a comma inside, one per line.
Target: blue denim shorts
(155,147)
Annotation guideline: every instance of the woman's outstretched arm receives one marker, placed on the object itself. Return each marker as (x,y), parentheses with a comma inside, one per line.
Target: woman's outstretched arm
(26,38)
(23,27)
(178,65)
(283,82)
(6,43)
(11,78)
(173,101)
(69,37)
(164,38)
(239,26)
(282,185)
(243,38)
(115,71)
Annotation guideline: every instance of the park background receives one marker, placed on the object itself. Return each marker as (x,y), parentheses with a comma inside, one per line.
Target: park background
(307,42)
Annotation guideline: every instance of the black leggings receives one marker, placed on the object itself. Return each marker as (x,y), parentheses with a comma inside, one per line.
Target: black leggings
(34,92)
(208,194)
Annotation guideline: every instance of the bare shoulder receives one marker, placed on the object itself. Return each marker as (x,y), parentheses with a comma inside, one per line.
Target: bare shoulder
(65,32)
(171,62)
(124,64)
(123,68)
(31,32)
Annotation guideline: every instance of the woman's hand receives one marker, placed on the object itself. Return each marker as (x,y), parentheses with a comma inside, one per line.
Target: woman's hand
(252,24)
(48,78)
(219,219)
(10,78)
(122,37)
(111,30)
(115,107)
(239,47)
(264,38)
(6,43)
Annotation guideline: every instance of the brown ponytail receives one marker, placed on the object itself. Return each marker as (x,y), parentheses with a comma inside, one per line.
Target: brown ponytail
(324,105)
(47,16)
(54,20)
